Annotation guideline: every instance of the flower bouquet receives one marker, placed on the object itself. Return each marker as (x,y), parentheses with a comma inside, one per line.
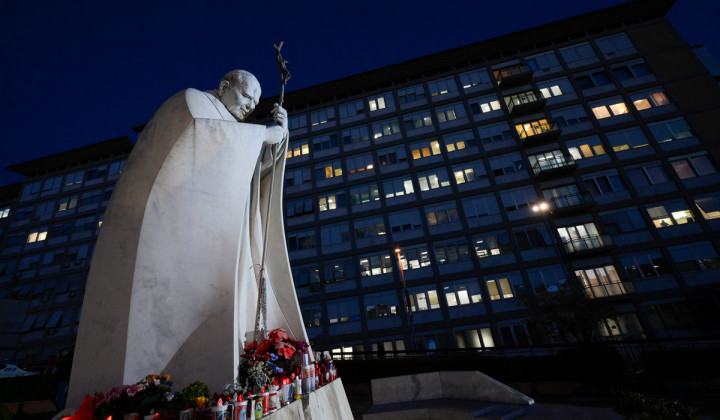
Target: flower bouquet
(275,357)
(149,396)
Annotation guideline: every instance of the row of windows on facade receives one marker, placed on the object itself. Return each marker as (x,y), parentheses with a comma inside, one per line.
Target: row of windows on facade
(475,80)
(69,257)
(647,102)
(61,207)
(626,143)
(80,228)
(648,178)
(72,180)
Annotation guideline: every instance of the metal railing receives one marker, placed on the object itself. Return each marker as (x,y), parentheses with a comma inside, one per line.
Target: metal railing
(571,200)
(511,72)
(587,243)
(525,98)
(553,163)
(536,128)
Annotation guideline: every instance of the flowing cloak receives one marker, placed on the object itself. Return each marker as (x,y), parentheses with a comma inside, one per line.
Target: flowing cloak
(172,287)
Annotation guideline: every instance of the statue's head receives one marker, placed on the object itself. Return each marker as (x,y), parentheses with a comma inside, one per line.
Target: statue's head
(240,92)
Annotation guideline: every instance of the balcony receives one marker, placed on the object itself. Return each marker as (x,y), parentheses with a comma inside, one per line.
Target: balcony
(533,133)
(525,102)
(554,166)
(601,290)
(588,245)
(571,203)
(513,75)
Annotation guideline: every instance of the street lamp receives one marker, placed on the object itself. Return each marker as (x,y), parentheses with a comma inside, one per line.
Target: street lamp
(544,208)
(407,300)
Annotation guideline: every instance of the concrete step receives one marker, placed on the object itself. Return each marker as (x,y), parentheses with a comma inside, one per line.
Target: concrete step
(445,409)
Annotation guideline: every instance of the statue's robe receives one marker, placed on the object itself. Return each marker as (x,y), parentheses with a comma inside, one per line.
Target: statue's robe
(172,287)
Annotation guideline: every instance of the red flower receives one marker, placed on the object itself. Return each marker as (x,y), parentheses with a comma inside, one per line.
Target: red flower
(278,334)
(263,347)
(284,349)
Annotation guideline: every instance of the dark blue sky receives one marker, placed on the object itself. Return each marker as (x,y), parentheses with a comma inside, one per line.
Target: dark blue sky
(74,73)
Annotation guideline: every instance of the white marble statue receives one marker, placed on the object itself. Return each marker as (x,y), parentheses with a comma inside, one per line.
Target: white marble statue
(173,283)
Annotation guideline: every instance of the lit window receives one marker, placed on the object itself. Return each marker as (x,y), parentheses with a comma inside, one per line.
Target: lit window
(499,288)
(433,179)
(424,300)
(298,148)
(649,99)
(423,149)
(709,206)
(397,187)
(331,201)
(418,120)
(362,194)
(459,141)
(609,108)
(442,86)
(462,292)
(442,213)
(4,212)
(450,112)
(379,102)
(381,305)
(587,147)
(670,214)
(602,281)
(533,128)
(328,170)
(491,244)
(37,235)
(322,116)
(631,138)
(359,163)
(469,172)
(385,128)
(375,264)
(415,257)
(484,105)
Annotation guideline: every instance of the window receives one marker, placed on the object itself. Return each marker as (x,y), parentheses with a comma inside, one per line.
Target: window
(469,172)
(90,197)
(37,235)
(298,148)
(24,213)
(565,196)
(351,109)
(370,227)
(417,120)
(580,237)
(84,224)
(297,176)
(474,338)
(578,55)
(693,166)
(533,128)
(380,102)
(53,257)
(549,160)
(322,116)
(325,142)
(328,170)
(480,206)
(299,241)
(52,183)
(603,183)
(451,251)
(697,256)
(414,257)
(492,243)
(586,147)
(305,275)
(117,167)
(546,62)
(670,316)
(359,163)
(355,135)
(450,112)
(31,188)
(507,164)
(297,121)
(411,94)
(60,229)
(385,128)
(650,98)
(339,270)
(375,264)
(646,264)
(651,173)
(623,220)
(425,148)
(442,213)
(676,212)
(519,198)
(615,45)
(335,234)
(495,133)
(628,139)
(392,155)
(632,70)
(530,237)
(4,212)
(607,108)
(424,299)
(381,305)
(312,317)
(555,87)
(405,220)
(29,262)
(484,104)
(298,207)
(96,173)
(549,278)
(459,141)
(499,287)
(592,79)
(462,292)
(331,200)
(442,86)
(670,130)
(601,281)
(75,178)
(365,193)
(475,78)
(709,205)
(45,208)
(569,117)
(434,179)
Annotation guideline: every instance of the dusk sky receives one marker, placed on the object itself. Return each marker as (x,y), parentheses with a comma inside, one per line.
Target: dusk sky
(73,73)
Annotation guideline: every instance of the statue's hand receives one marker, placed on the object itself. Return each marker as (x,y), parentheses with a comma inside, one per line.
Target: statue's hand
(280,117)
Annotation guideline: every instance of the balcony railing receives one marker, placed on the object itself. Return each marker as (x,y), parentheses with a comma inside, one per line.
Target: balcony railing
(513,75)
(609,289)
(587,244)
(525,102)
(565,204)
(560,164)
(537,132)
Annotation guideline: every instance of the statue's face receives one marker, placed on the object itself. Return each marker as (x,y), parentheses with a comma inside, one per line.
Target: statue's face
(241,100)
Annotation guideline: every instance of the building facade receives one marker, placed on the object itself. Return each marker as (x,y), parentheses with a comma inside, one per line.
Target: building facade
(579,151)
(582,151)
(48,228)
